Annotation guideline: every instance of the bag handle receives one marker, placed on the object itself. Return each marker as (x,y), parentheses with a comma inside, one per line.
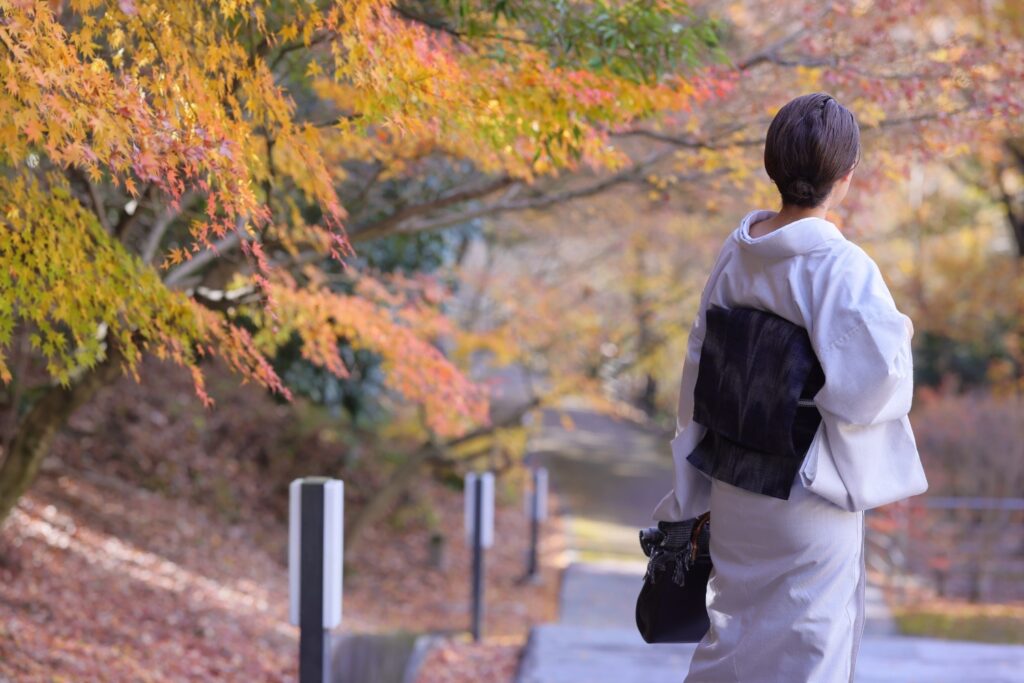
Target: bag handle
(702,520)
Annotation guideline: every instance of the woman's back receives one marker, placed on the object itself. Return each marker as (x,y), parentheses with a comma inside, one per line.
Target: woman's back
(786,594)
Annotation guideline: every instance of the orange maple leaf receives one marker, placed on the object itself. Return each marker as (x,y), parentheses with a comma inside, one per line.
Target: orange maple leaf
(34,130)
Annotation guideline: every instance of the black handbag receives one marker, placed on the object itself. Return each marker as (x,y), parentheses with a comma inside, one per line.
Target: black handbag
(671,606)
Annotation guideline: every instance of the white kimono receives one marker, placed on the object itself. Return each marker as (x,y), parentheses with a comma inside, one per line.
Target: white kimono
(786,595)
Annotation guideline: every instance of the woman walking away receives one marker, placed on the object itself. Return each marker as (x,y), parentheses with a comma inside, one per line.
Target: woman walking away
(786,594)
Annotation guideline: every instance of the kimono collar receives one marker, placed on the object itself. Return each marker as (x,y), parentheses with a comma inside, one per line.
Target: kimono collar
(797,237)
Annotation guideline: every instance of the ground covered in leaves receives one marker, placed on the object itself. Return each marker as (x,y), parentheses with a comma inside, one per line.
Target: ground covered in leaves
(109,572)
(464,662)
(100,581)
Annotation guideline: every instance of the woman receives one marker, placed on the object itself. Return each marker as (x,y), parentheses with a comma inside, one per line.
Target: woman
(786,595)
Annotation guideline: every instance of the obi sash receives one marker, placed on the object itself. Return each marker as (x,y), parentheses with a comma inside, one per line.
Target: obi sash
(757,375)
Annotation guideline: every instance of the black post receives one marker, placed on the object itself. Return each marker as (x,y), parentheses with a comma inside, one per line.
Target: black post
(312,636)
(531,569)
(478,557)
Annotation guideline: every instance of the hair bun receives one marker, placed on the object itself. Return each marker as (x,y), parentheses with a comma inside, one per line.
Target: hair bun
(801,189)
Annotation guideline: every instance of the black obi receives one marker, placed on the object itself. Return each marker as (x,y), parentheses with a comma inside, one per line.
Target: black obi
(755,369)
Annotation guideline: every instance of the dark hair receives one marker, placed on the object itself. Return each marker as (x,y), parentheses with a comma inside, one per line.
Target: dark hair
(812,142)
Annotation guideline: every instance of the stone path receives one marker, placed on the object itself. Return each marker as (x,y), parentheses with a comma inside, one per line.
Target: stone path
(609,476)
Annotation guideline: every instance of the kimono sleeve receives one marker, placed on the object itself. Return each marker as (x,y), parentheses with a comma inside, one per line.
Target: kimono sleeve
(864,455)
(863,344)
(688,382)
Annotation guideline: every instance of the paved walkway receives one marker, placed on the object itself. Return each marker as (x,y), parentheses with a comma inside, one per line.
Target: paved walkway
(610,476)
(560,653)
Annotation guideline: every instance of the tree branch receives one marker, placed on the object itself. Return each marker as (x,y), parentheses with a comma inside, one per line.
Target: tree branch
(770,52)
(224,299)
(263,48)
(97,203)
(511,204)
(713,143)
(127,222)
(692,142)
(200,260)
(385,226)
(163,221)
(429,22)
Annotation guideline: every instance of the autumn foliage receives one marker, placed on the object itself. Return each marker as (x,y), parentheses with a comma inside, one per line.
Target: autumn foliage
(140,138)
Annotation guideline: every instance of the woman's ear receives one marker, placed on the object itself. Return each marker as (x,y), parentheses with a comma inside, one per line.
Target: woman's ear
(839,190)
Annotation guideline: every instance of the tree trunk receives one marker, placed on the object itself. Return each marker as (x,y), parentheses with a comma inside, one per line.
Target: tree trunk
(1010,203)
(647,339)
(34,432)
(384,497)
(649,395)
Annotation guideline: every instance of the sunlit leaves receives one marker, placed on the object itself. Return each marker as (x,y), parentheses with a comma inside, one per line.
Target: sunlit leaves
(259,108)
(527,113)
(641,40)
(78,289)
(372,320)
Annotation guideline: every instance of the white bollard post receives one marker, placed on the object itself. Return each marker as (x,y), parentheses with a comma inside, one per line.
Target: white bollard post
(315,542)
(479,518)
(538,511)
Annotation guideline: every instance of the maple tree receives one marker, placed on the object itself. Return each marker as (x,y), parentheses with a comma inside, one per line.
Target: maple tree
(187,179)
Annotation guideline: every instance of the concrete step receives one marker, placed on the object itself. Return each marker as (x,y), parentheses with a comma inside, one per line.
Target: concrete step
(601,594)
